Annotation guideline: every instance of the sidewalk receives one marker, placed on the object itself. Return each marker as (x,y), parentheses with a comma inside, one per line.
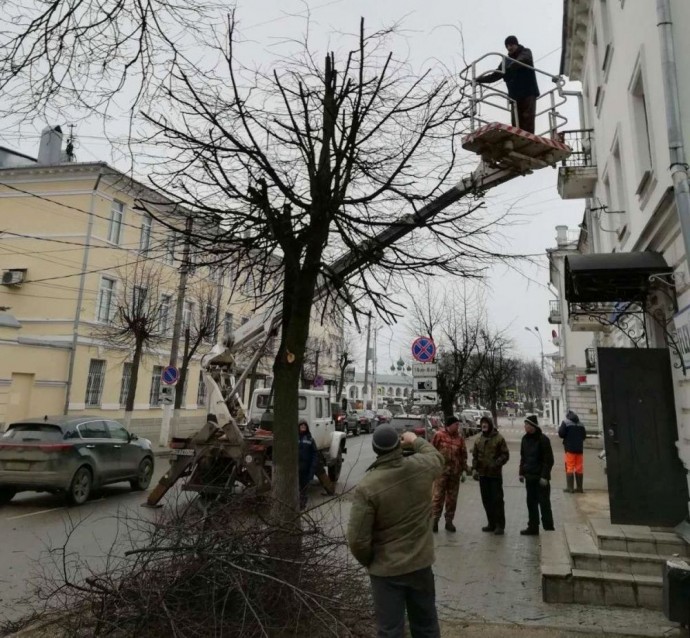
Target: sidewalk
(484,579)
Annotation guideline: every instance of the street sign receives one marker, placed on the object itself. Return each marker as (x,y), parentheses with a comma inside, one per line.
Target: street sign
(167,395)
(170,375)
(425,398)
(425,384)
(318,381)
(423,349)
(424,370)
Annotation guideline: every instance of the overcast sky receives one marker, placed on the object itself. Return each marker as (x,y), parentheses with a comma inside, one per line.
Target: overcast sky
(436,31)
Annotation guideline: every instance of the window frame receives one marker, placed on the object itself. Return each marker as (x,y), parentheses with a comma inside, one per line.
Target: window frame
(145,234)
(116,221)
(111,305)
(155,399)
(90,379)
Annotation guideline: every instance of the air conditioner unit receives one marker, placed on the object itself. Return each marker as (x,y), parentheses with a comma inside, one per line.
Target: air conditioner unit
(13,277)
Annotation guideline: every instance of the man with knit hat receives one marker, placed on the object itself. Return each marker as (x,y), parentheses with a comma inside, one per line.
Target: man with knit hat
(389,532)
(451,444)
(536,461)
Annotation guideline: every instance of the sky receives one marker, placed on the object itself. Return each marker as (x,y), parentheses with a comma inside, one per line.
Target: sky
(437,32)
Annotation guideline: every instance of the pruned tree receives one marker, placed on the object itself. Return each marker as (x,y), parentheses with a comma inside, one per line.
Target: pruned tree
(498,367)
(346,357)
(455,320)
(136,324)
(528,380)
(283,171)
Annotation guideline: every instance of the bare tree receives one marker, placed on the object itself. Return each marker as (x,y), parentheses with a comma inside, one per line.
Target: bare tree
(346,358)
(282,171)
(137,323)
(498,367)
(455,320)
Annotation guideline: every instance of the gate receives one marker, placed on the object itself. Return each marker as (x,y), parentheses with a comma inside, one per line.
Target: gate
(647,480)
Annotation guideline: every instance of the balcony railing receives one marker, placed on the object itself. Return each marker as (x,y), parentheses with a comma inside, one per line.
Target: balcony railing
(582,142)
(554,311)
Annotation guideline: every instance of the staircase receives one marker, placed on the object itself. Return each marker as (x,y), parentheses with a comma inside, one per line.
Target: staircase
(598,563)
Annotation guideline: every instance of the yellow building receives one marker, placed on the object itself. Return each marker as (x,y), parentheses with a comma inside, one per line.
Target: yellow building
(70,240)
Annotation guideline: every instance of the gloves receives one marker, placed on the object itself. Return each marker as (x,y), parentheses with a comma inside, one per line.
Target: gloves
(463,477)
(475,475)
(522,479)
(544,482)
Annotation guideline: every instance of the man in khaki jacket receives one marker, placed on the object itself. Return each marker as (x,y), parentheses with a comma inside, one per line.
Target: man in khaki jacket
(390,533)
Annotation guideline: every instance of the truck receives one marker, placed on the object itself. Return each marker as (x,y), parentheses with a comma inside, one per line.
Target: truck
(228,453)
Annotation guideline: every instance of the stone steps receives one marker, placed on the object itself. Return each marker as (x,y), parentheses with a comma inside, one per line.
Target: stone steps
(605,564)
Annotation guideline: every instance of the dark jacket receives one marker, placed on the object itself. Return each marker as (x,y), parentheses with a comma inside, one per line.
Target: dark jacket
(307,455)
(389,531)
(490,453)
(573,433)
(520,81)
(536,456)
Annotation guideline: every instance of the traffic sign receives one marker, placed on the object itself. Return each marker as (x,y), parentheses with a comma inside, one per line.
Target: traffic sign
(425,398)
(423,349)
(167,395)
(318,381)
(424,370)
(170,375)
(425,384)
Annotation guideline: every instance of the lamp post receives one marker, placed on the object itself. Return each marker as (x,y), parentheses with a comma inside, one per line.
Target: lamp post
(537,334)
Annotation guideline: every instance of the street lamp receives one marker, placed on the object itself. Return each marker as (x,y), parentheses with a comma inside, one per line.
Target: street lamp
(537,334)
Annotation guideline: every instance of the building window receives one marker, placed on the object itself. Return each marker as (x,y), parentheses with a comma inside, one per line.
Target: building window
(139,294)
(117,212)
(201,391)
(227,324)
(106,293)
(124,385)
(641,128)
(94,382)
(170,249)
(164,314)
(211,323)
(187,313)
(155,395)
(145,237)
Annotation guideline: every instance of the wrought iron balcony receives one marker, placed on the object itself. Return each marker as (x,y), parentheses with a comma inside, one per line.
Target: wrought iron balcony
(554,311)
(577,174)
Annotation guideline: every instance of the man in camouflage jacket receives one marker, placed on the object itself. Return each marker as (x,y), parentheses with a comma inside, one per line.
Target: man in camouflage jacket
(451,444)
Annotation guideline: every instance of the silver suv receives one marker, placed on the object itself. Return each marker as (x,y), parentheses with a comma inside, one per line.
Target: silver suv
(71,455)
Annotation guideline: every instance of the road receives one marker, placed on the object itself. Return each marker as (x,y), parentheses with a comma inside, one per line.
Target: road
(481,578)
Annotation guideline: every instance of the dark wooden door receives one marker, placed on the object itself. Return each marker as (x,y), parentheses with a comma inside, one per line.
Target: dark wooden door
(647,480)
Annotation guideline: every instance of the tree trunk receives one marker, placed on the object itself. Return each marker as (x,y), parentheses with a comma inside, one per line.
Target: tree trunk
(133,380)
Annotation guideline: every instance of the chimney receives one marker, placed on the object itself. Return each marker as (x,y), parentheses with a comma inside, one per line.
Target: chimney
(561,235)
(50,150)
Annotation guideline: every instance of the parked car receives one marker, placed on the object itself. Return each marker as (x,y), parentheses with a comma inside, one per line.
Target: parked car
(339,416)
(384,416)
(72,456)
(360,421)
(470,422)
(419,424)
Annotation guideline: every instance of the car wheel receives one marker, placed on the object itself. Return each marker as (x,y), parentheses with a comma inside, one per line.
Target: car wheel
(6,495)
(144,474)
(80,488)
(334,470)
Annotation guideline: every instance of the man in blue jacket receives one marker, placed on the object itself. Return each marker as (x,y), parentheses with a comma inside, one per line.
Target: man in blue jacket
(573,434)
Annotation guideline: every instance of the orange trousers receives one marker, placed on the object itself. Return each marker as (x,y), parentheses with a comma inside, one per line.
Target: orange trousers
(574,463)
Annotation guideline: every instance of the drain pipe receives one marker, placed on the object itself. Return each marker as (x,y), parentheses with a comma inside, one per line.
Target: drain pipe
(679,167)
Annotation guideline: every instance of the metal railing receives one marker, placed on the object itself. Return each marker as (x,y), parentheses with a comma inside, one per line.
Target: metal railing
(481,95)
(582,143)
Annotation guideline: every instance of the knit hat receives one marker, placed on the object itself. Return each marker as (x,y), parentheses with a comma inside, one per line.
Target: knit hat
(511,39)
(452,419)
(532,420)
(385,440)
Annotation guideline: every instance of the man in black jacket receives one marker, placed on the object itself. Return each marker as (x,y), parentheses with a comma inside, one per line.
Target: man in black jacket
(536,461)
(521,81)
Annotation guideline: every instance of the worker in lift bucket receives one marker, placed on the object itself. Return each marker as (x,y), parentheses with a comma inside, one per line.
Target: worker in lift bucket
(521,83)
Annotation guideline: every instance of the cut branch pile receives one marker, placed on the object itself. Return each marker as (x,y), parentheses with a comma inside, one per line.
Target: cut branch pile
(221,572)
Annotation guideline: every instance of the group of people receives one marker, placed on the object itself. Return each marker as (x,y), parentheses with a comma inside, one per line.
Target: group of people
(393,520)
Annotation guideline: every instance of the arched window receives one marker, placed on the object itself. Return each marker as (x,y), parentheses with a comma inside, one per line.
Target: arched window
(406,392)
(353,392)
(397,392)
(389,392)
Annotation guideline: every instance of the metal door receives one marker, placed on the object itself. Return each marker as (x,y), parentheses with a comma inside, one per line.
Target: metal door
(129,452)
(647,481)
(101,449)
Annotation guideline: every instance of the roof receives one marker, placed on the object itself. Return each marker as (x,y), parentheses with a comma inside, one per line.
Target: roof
(612,277)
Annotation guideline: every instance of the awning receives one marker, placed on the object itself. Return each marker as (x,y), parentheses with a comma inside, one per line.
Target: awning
(612,277)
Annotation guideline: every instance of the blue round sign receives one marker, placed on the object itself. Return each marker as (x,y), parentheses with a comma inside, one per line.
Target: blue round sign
(424,349)
(170,375)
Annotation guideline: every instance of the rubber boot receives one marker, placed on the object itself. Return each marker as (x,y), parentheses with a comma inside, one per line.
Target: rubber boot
(579,478)
(570,483)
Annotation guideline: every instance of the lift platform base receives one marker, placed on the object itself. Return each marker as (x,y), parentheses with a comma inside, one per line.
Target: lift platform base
(510,147)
